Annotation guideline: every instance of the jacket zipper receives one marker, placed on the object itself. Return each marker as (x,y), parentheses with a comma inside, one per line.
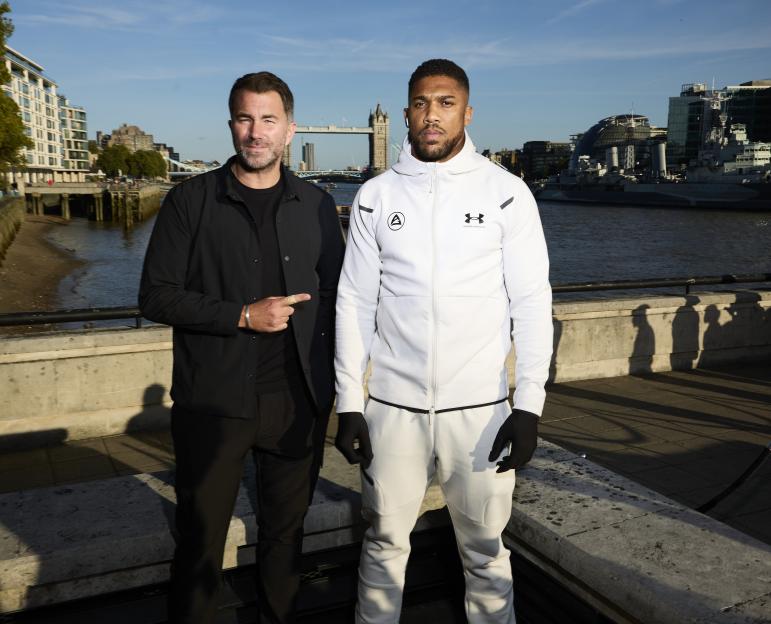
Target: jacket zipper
(432,190)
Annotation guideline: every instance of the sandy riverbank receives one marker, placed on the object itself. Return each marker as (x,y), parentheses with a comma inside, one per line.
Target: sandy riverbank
(33,268)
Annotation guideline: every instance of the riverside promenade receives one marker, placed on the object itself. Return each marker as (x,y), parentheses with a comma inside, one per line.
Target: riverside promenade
(684,435)
(607,507)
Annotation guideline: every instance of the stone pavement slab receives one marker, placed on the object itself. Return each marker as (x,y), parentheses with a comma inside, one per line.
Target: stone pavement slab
(685,434)
(637,556)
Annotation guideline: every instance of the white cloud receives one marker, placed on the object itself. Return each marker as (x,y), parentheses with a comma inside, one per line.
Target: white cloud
(139,17)
(392,56)
(578,7)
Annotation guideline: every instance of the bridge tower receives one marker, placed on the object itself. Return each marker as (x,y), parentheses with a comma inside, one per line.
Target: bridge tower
(378,141)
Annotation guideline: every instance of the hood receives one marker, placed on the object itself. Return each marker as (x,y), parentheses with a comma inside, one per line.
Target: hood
(465,160)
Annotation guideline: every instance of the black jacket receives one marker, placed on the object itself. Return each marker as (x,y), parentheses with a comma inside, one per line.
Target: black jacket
(199,272)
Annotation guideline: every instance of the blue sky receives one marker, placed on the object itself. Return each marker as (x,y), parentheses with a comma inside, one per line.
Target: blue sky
(538,69)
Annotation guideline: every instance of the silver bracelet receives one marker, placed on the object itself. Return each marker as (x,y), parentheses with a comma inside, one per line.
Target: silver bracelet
(246,316)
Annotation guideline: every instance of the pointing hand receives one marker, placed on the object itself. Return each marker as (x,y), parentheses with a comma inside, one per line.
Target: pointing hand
(272,313)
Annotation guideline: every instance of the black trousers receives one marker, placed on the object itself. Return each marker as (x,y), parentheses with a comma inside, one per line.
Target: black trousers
(286,440)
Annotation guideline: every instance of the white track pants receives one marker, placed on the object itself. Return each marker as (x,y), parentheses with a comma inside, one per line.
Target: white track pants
(409,450)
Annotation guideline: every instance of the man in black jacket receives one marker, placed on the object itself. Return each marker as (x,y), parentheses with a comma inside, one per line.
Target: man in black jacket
(243,262)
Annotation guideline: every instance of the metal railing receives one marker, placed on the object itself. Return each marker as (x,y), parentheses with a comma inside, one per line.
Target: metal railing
(665,282)
(71,316)
(117,313)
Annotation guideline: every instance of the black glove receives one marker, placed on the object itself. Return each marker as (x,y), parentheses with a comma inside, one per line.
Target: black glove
(521,430)
(352,426)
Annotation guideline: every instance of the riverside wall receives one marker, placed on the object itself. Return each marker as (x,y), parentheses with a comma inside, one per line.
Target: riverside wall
(83,384)
(11,216)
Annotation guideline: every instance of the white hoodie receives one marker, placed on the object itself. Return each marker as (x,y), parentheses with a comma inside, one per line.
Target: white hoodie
(442,260)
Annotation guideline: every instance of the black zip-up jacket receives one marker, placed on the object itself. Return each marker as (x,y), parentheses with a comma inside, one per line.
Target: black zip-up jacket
(199,273)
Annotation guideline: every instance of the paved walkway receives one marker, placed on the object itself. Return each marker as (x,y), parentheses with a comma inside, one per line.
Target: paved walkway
(684,434)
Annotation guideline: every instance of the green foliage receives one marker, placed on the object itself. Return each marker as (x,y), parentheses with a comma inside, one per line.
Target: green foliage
(117,160)
(114,160)
(6,30)
(93,148)
(12,137)
(146,164)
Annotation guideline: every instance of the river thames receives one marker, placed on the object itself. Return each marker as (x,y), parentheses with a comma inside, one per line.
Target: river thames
(586,243)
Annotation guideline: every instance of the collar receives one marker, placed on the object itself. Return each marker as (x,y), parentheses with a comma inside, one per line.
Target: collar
(226,188)
(465,160)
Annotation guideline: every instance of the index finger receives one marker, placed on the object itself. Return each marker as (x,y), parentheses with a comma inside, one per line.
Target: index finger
(297,298)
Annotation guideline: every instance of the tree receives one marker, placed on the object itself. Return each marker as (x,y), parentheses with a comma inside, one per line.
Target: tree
(12,136)
(6,30)
(146,164)
(114,160)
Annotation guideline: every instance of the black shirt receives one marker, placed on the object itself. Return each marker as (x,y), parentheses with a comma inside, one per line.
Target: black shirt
(277,353)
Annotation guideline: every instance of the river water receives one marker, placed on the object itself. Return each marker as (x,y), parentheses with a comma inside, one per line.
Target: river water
(586,243)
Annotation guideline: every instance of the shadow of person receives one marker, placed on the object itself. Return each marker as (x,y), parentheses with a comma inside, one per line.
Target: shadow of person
(685,335)
(557,324)
(148,445)
(736,338)
(155,415)
(644,348)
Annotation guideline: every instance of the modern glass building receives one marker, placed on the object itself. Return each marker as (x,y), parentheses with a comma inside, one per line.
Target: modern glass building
(691,116)
(309,156)
(749,104)
(684,124)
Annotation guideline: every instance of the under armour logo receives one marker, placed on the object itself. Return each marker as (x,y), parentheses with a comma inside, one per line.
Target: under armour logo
(396,220)
(479,219)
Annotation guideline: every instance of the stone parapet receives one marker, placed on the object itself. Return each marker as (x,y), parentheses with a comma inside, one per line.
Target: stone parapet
(84,384)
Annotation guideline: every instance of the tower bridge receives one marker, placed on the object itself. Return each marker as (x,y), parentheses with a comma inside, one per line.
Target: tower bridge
(377,131)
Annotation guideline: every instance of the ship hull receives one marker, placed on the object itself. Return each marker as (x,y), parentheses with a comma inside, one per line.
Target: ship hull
(755,197)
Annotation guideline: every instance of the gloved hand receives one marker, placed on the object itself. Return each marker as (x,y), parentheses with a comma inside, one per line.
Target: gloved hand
(521,430)
(351,427)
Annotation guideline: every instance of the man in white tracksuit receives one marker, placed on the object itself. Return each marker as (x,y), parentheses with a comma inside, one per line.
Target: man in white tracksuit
(445,263)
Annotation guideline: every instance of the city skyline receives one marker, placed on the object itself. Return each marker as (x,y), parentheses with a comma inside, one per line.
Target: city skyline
(537,73)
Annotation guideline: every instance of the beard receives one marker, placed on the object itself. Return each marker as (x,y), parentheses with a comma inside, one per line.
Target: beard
(433,152)
(258,162)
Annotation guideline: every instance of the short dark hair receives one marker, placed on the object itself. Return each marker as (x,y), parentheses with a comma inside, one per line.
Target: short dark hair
(263,82)
(439,67)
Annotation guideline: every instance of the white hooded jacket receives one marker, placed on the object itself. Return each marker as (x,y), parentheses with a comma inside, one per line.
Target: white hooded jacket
(442,261)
